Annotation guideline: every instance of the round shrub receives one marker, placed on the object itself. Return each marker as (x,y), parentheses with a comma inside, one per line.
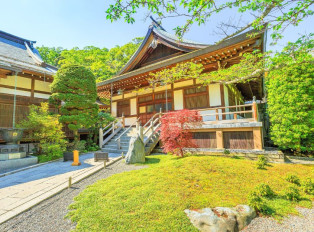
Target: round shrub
(292,193)
(294,179)
(261,162)
(308,186)
(263,190)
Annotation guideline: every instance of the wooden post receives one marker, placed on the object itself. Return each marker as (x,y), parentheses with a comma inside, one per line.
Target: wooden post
(219,139)
(152,125)
(76,161)
(113,125)
(137,124)
(70,182)
(235,117)
(254,110)
(257,137)
(101,137)
(217,115)
(141,133)
(123,120)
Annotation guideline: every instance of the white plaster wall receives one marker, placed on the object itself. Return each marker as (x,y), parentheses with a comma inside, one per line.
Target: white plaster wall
(40,95)
(114,109)
(182,83)
(178,99)
(162,88)
(22,82)
(133,106)
(214,95)
(18,92)
(117,97)
(42,86)
(129,121)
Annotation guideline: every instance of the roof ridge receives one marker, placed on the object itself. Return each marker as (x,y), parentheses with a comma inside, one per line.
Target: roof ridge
(15,38)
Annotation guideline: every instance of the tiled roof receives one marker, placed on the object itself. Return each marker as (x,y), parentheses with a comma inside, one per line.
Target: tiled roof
(19,53)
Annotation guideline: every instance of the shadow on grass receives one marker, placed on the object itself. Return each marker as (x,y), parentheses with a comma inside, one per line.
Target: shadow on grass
(149,160)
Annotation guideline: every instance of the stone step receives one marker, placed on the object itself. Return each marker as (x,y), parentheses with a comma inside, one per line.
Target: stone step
(115,143)
(114,150)
(115,147)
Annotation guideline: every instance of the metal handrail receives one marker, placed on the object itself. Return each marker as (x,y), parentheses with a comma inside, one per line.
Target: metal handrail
(127,129)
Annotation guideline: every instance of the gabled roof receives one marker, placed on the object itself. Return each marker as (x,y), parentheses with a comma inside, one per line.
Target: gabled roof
(157,35)
(242,38)
(17,53)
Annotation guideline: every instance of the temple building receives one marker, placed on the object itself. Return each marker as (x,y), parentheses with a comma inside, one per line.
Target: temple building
(24,76)
(230,115)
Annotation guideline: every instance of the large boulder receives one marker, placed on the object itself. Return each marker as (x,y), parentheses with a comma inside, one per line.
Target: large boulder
(221,219)
(136,152)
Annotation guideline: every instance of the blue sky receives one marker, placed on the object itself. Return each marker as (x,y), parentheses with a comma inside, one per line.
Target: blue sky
(71,23)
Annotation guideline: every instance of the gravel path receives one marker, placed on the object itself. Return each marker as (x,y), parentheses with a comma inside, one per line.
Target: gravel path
(49,215)
(304,223)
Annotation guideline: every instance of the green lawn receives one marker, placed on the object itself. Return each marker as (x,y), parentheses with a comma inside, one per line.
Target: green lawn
(153,199)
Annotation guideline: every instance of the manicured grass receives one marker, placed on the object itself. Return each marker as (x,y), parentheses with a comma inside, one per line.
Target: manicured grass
(153,199)
(46,158)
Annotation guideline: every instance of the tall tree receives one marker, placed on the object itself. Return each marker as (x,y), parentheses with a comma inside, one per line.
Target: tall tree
(74,92)
(279,14)
(50,55)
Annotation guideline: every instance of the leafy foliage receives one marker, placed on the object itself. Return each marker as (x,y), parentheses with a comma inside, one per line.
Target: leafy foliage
(174,131)
(263,190)
(292,193)
(256,202)
(44,127)
(261,162)
(75,88)
(50,55)
(103,62)
(290,96)
(278,14)
(308,186)
(294,179)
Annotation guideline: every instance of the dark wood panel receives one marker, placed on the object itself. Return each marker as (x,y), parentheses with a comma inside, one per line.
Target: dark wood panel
(205,139)
(238,140)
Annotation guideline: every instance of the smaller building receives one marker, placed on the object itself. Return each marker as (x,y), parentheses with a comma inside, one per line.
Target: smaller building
(23,75)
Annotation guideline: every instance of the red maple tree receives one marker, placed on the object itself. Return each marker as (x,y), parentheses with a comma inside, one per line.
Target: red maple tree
(175,133)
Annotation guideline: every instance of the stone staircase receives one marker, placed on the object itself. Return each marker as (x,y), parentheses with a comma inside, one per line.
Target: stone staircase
(119,137)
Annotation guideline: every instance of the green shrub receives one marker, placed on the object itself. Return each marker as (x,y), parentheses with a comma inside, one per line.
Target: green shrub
(261,162)
(308,186)
(256,202)
(294,179)
(226,152)
(291,193)
(263,190)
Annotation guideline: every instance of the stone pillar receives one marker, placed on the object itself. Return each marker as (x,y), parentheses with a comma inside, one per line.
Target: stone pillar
(219,139)
(101,137)
(257,138)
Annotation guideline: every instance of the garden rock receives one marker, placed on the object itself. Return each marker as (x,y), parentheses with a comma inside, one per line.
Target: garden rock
(136,152)
(221,219)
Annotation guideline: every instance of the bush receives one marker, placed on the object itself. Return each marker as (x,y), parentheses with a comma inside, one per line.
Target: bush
(257,202)
(44,127)
(79,145)
(308,186)
(294,179)
(226,152)
(263,190)
(261,162)
(292,193)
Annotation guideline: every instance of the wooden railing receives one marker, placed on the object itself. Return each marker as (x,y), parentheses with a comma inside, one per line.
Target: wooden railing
(114,127)
(118,140)
(241,112)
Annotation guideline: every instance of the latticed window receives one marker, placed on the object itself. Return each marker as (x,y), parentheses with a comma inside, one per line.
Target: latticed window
(123,108)
(196,97)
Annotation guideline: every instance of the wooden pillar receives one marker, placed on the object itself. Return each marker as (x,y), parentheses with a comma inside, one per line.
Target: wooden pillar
(257,137)
(219,139)
(32,89)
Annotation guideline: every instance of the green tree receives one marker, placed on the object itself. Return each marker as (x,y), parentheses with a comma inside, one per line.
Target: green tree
(279,14)
(291,97)
(50,55)
(44,127)
(74,91)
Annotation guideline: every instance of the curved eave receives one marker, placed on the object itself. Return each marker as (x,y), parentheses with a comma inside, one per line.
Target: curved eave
(150,30)
(182,58)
